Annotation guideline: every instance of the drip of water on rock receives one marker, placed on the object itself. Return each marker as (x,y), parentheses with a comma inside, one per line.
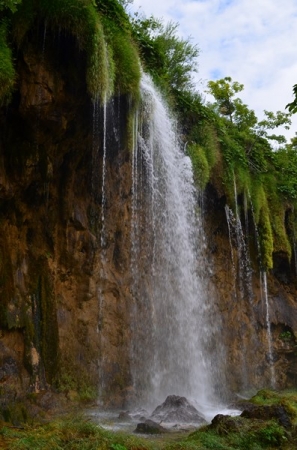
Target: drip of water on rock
(103,190)
(241,270)
(265,301)
(242,267)
(173,340)
(264,293)
(230,223)
(99,194)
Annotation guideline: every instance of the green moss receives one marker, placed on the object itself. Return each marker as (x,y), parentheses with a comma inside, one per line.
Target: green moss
(258,197)
(200,165)
(41,321)
(73,377)
(112,62)
(287,399)
(281,240)
(125,57)
(7,72)
(210,145)
(243,180)
(266,238)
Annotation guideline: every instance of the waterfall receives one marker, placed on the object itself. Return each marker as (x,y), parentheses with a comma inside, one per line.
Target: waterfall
(173,340)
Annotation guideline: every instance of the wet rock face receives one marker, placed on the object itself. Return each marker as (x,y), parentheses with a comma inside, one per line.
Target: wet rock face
(243,314)
(66,292)
(178,410)
(55,323)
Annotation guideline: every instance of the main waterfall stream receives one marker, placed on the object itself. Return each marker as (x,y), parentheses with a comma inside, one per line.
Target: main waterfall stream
(173,329)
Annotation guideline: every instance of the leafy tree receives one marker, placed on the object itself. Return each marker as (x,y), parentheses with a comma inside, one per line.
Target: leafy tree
(272,121)
(170,59)
(224,91)
(292,107)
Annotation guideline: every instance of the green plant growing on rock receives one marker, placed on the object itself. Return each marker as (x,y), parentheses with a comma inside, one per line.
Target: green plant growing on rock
(112,60)
(286,336)
(7,71)
(80,19)
(200,164)
(169,59)
(224,91)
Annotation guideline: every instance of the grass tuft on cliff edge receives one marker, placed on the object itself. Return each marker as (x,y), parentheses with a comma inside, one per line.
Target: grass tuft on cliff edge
(112,59)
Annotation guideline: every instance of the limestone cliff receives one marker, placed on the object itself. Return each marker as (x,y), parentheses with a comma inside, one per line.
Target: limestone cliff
(51,258)
(65,279)
(240,298)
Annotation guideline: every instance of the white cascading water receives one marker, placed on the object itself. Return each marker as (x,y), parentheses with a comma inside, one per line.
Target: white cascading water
(173,334)
(242,290)
(244,276)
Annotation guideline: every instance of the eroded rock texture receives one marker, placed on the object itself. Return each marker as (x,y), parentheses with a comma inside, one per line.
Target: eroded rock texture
(65,279)
(240,298)
(64,302)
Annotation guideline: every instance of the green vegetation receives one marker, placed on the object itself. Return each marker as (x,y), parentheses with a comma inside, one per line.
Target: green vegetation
(256,168)
(286,398)
(224,433)
(227,143)
(112,59)
(7,71)
(286,336)
(169,59)
(74,380)
(75,433)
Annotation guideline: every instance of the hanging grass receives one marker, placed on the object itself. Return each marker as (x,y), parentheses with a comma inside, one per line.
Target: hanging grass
(125,56)
(200,165)
(112,59)
(81,19)
(266,237)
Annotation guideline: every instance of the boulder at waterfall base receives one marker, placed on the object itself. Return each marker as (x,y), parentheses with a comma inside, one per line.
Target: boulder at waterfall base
(177,409)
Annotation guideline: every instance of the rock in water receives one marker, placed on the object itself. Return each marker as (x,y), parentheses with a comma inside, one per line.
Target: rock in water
(177,409)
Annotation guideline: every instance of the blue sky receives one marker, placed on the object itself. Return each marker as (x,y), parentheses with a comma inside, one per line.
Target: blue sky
(254,42)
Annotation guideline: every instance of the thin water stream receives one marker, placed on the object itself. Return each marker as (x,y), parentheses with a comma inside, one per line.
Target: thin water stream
(264,291)
(265,301)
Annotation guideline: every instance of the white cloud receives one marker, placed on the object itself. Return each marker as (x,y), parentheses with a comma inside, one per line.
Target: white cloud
(253,42)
